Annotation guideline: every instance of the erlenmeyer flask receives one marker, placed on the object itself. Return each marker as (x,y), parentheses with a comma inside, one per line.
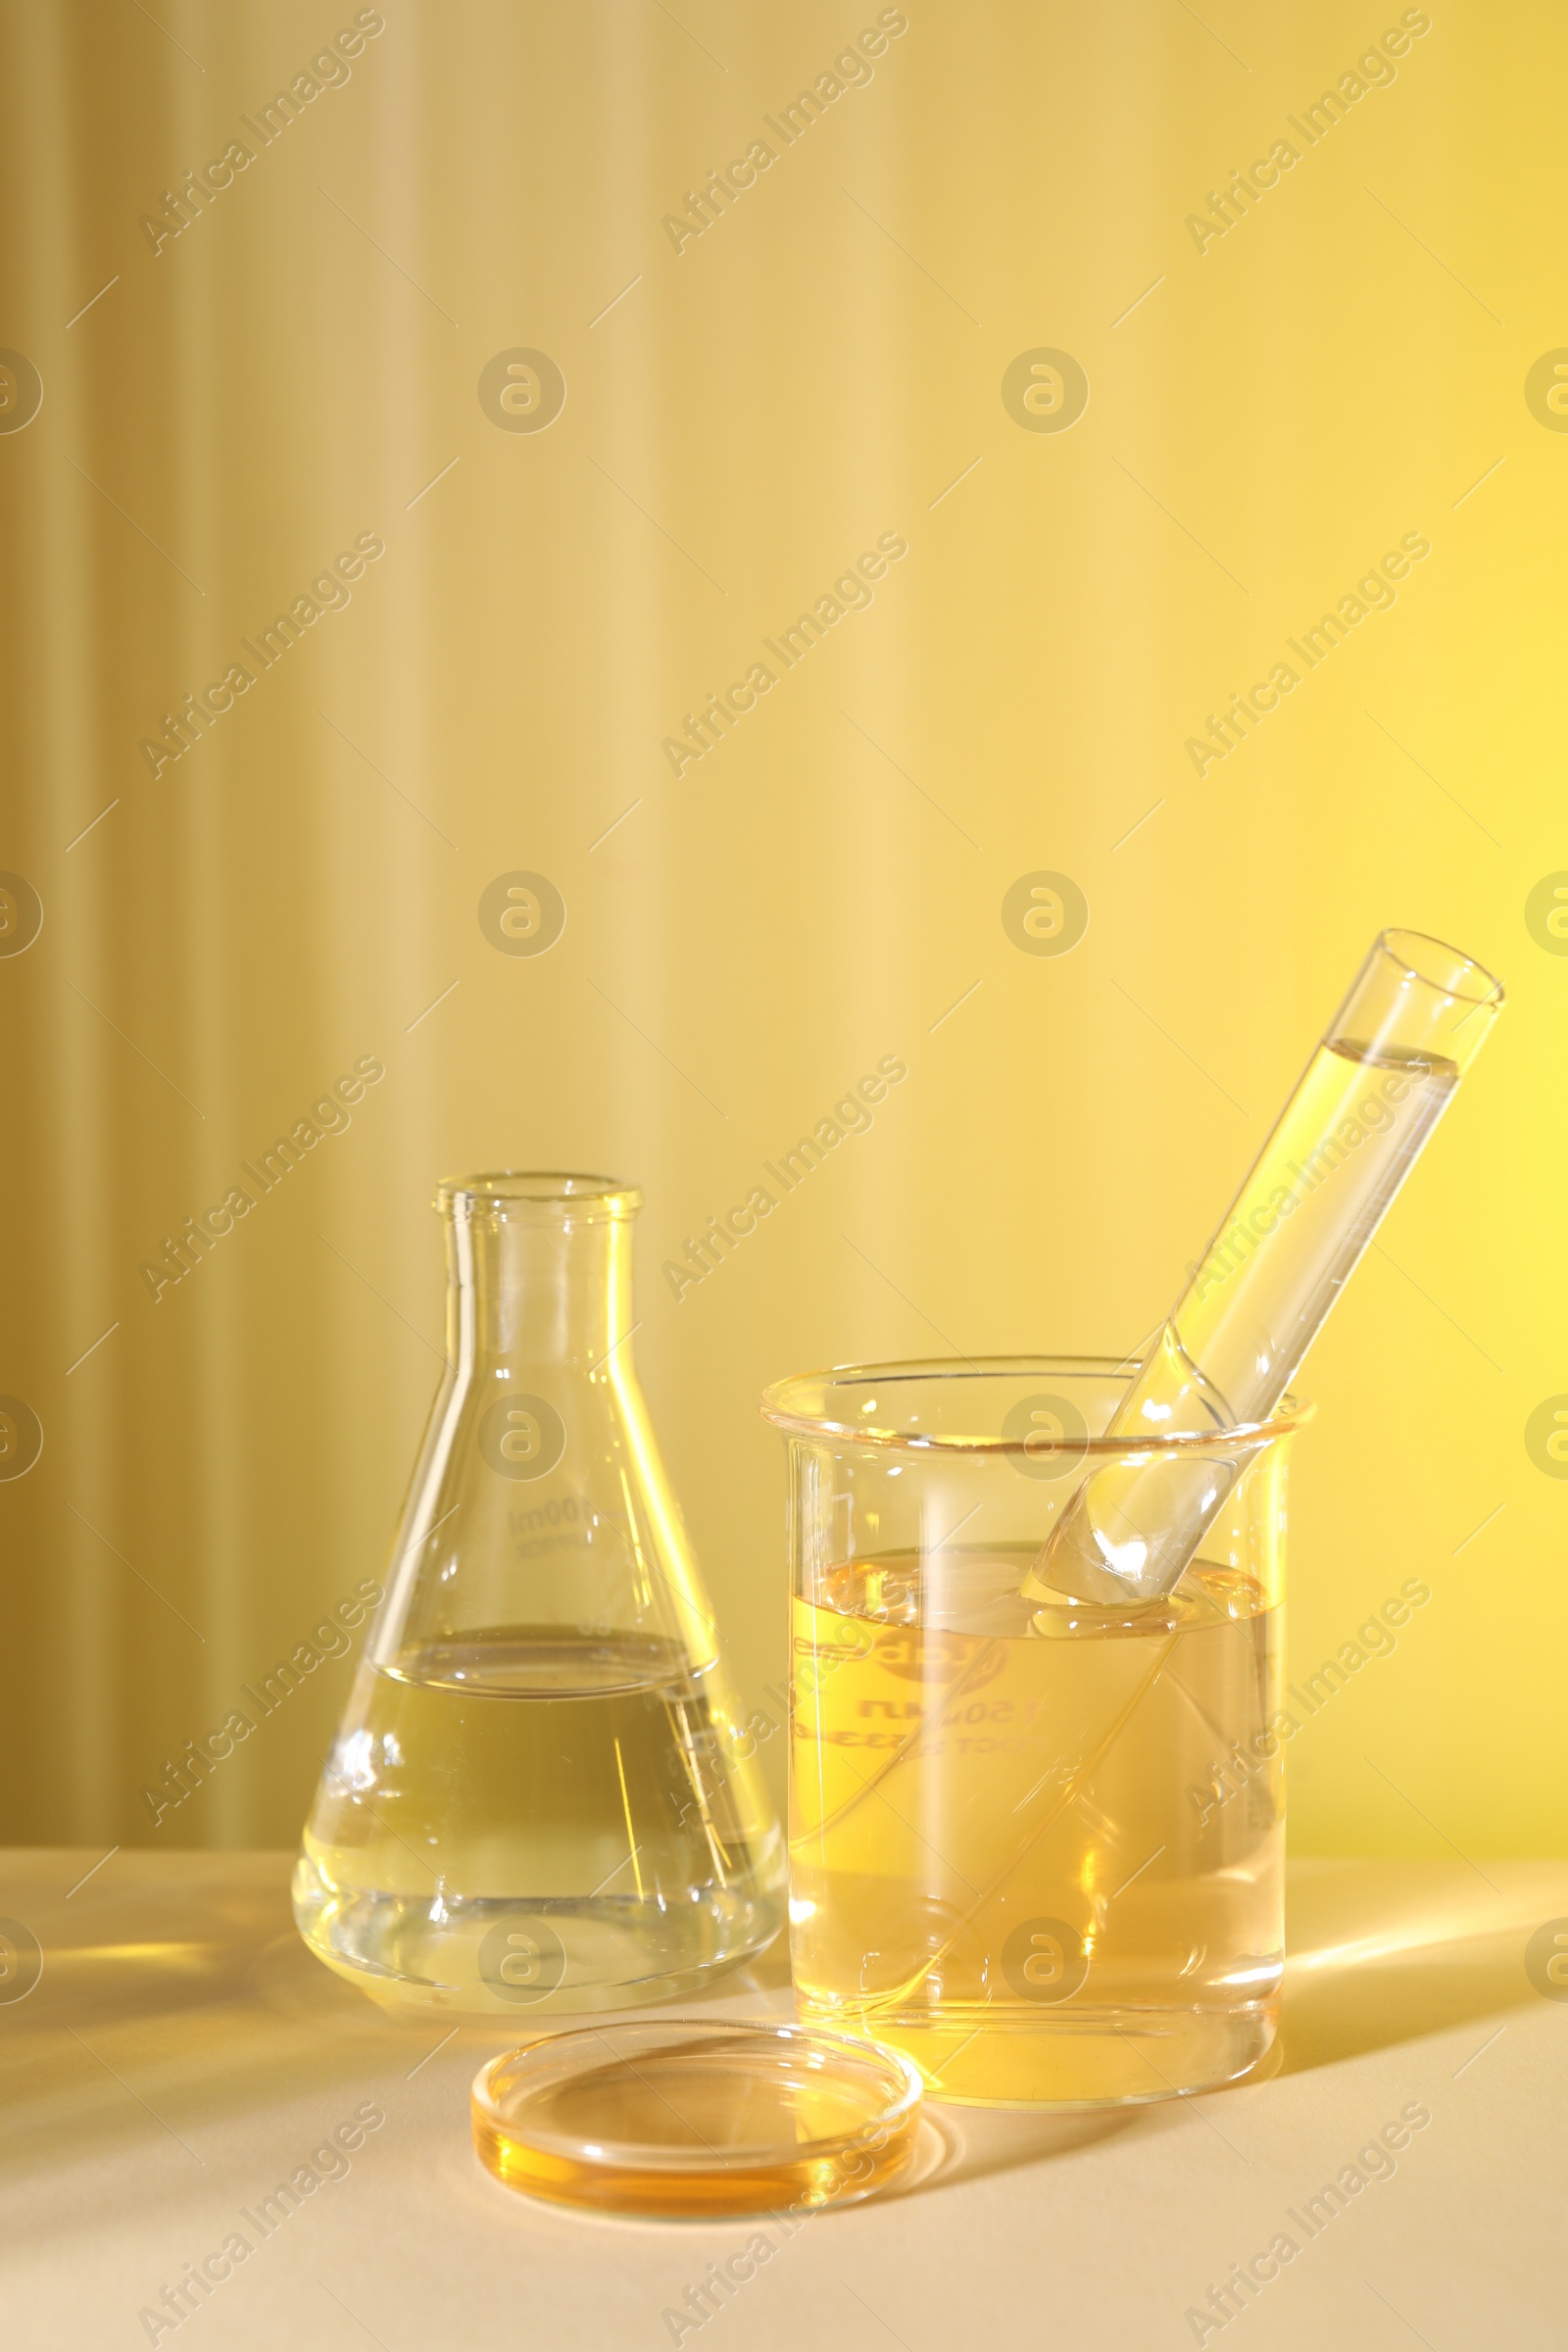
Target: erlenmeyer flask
(541,1796)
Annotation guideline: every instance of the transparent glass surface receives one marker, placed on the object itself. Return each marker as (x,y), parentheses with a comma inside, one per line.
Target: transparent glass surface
(540,1796)
(1364,1107)
(693,2115)
(1038,1845)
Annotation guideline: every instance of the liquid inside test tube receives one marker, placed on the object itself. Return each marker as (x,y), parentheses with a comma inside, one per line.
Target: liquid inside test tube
(1379,1081)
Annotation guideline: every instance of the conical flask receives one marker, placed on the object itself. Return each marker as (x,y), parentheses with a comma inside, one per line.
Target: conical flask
(541,1796)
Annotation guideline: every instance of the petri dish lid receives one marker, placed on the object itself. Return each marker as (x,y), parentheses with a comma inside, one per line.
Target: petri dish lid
(697,2115)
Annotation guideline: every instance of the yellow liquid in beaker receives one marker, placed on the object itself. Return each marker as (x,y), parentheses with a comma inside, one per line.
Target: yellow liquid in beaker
(1038,1849)
(527,1821)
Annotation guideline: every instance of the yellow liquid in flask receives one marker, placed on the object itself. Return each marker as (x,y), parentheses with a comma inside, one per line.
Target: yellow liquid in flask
(528,1821)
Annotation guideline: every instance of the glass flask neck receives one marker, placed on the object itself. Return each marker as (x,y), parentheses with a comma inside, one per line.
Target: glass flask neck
(554,1287)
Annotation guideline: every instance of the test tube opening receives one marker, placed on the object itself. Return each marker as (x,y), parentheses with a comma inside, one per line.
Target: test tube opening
(1417,997)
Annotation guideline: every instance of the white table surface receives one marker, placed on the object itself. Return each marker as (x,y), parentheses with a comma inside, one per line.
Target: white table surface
(182,2053)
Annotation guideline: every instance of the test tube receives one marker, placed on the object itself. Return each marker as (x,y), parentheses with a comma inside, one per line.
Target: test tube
(1378,1082)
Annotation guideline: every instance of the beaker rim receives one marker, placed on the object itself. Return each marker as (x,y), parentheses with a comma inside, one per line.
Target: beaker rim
(803,1405)
(536,1192)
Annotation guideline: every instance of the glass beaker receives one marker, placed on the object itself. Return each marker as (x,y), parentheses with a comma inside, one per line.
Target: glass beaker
(1038,1848)
(540,1796)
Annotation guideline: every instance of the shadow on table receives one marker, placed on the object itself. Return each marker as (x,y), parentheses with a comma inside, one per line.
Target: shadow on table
(145,2028)
(192,2005)
(1379,1953)
(968,2143)
(182,2002)
(1384,1951)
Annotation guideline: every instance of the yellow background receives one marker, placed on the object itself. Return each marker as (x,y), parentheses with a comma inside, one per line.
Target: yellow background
(815,370)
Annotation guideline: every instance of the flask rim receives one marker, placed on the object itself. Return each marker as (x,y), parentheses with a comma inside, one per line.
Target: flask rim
(821,1407)
(538,1196)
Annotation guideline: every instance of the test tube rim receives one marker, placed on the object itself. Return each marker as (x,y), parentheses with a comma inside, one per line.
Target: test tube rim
(1389,942)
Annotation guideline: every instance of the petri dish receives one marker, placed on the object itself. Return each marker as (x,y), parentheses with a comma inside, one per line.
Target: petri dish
(686,2117)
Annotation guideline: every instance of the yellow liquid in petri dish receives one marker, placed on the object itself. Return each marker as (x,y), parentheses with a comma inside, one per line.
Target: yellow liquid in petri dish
(688,2116)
